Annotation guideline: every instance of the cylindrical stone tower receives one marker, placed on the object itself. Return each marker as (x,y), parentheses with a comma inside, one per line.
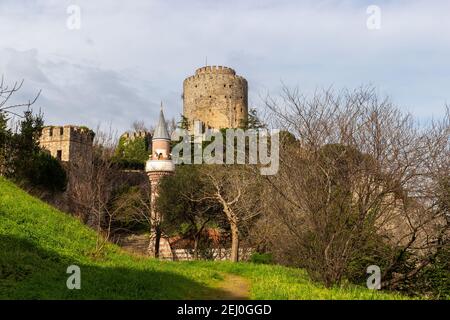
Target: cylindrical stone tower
(216,96)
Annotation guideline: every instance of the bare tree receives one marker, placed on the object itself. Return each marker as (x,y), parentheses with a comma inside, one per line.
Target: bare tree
(8,109)
(139,126)
(172,125)
(357,176)
(7,92)
(92,181)
(236,190)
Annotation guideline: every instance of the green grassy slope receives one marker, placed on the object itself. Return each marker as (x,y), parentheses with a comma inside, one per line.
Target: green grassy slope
(38,243)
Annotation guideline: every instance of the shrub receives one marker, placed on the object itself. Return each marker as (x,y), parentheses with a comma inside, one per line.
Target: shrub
(129,164)
(46,171)
(434,279)
(133,151)
(261,258)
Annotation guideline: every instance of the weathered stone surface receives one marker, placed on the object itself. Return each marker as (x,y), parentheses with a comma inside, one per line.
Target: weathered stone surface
(216,96)
(67,143)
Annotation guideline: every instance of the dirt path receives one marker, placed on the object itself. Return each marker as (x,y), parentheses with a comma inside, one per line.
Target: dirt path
(233,288)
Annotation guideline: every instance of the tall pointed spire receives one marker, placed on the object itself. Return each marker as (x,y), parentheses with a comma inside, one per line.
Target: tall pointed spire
(161,131)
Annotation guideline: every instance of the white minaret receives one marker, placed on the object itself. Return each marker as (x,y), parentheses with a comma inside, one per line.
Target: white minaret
(159,164)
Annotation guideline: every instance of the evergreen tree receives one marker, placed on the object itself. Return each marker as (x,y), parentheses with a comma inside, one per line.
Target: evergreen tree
(5,139)
(132,153)
(26,142)
(184,123)
(182,214)
(253,121)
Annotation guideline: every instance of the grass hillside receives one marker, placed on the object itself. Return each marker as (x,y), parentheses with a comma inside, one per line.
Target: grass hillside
(38,243)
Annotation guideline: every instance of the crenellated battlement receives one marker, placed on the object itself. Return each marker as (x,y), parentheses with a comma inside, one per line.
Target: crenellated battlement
(67,132)
(215,70)
(67,143)
(131,135)
(215,78)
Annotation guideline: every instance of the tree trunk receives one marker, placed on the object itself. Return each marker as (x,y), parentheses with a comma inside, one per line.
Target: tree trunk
(234,243)
(157,241)
(196,248)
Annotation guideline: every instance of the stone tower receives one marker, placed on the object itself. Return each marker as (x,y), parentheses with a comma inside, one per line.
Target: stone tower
(159,165)
(67,143)
(216,96)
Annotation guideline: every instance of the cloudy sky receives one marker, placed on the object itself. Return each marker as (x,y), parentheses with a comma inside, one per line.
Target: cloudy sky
(129,55)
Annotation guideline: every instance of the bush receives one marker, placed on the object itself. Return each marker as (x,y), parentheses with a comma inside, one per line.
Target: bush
(126,164)
(434,279)
(261,258)
(133,151)
(46,171)
(376,252)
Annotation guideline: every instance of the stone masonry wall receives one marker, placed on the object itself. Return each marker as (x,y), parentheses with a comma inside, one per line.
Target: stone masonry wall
(216,96)
(73,143)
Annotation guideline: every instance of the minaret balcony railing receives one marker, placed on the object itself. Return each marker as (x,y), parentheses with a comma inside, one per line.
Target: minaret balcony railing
(159,165)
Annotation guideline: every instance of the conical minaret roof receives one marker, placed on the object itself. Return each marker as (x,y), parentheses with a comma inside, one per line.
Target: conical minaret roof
(161,128)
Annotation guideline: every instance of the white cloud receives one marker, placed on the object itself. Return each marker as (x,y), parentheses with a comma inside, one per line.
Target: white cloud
(130,55)
(78,93)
